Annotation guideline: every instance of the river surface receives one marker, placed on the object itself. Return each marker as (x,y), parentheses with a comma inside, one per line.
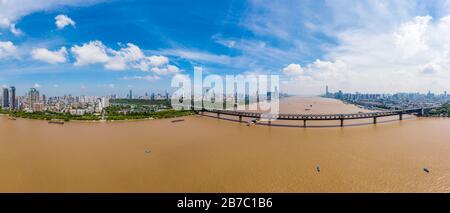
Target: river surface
(205,154)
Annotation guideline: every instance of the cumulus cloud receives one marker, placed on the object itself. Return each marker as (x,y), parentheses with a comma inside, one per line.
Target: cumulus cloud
(170,69)
(90,53)
(7,49)
(411,37)
(62,21)
(36,85)
(293,69)
(51,57)
(314,76)
(129,56)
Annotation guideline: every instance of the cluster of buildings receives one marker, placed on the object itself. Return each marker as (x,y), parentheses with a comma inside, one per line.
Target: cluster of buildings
(391,101)
(33,101)
(153,96)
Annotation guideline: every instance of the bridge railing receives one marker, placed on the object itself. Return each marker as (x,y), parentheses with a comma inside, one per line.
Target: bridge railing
(316,116)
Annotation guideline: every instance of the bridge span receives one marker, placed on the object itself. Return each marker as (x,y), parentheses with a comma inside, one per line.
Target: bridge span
(316,117)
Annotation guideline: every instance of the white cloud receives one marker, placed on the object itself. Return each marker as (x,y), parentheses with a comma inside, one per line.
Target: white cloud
(170,69)
(293,69)
(51,57)
(62,21)
(7,49)
(314,76)
(121,58)
(14,30)
(411,38)
(158,60)
(127,57)
(13,10)
(36,85)
(6,24)
(116,64)
(90,53)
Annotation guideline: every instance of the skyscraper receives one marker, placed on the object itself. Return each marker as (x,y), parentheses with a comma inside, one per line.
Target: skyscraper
(326,91)
(33,96)
(5,99)
(130,96)
(12,102)
(152,97)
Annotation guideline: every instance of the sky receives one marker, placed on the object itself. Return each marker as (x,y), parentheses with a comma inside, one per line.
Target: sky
(102,47)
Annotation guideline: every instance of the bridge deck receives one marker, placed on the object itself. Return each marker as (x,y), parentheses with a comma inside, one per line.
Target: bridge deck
(315,116)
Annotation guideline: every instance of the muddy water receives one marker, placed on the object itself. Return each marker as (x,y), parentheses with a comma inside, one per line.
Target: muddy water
(204,154)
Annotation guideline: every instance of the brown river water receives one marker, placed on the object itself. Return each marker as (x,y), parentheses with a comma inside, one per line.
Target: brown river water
(205,154)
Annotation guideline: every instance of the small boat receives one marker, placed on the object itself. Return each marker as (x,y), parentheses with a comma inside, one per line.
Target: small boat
(56,122)
(425,169)
(318,168)
(13,119)
(179,120)
(147,151)
(252,122)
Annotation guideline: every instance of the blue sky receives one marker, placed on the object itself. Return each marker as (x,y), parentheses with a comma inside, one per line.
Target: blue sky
(96,47)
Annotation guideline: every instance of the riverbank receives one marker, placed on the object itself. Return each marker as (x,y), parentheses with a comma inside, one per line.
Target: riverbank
(49,116)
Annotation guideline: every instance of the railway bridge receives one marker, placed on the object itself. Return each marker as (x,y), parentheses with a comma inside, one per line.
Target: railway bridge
(317,117)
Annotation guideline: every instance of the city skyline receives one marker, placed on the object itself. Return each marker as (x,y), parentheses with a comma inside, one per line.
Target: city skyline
(69,47)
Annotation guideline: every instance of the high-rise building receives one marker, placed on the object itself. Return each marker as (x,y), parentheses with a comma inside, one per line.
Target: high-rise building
(130,95)
(33,97)
(5,99)
(152,97)
(12,98)
(105,102)
(326,91)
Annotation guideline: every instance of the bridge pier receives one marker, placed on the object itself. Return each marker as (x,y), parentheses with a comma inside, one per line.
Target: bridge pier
(374,120)
(218,115)
(400,116)
(240,118)
(269,122)
(304,123)
(342,122)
